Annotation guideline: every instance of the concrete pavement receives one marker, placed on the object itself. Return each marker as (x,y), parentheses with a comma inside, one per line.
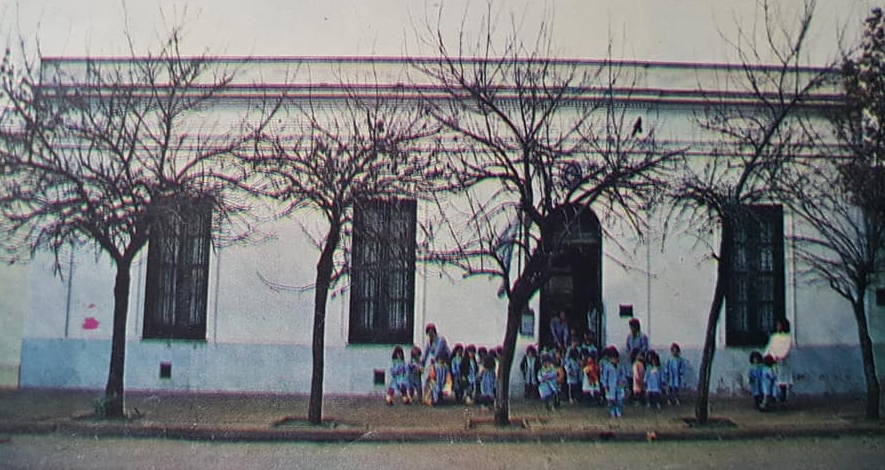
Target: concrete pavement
(250,417)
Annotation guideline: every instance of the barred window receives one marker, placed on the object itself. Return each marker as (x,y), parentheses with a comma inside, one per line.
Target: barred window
(382,272)
(177,284)
(755,293)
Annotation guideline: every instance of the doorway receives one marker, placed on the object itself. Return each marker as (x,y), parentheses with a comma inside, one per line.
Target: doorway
(575,283)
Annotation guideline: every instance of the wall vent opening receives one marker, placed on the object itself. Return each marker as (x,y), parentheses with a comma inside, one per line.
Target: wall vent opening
(165,370)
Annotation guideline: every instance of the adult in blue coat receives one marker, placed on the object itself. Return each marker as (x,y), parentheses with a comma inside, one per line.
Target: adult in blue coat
(559,331)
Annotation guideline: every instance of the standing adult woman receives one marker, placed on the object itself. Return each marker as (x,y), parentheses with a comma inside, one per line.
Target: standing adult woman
(779,344)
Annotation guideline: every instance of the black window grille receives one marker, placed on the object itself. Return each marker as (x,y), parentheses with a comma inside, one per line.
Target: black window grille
(176,288)
(755,293)
(382,272)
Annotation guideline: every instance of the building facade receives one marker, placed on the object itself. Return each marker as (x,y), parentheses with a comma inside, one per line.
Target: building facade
(205,317)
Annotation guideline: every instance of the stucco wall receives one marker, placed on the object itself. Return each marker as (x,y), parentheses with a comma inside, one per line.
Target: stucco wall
(13,308)
(263,345)
(280,368)
(259,315)
(259,322)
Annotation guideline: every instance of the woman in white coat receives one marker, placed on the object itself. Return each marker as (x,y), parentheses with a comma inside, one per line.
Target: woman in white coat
(779,344)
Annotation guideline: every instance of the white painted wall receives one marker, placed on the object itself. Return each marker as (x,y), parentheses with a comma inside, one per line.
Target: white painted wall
(13,310)
(259,339)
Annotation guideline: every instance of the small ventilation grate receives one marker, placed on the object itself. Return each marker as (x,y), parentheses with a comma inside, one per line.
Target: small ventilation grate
(165,370)
(379,376)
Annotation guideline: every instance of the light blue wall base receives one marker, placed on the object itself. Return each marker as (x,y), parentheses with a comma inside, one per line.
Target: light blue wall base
(274,368)
(64,363)
(79,363)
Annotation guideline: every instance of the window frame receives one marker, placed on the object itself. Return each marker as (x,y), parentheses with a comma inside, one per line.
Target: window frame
(177,272)
(756,249)
(382,272)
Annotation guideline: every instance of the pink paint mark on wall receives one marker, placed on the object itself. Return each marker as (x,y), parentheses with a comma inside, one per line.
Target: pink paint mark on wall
(90,306)
(90,323)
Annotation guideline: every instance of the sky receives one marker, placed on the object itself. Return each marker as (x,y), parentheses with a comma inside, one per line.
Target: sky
(658,30)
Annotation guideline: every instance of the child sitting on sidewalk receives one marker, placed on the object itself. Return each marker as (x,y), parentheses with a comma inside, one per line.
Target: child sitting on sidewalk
(548,387)
(487,382)
(439,380)
(590,379)
(399,377)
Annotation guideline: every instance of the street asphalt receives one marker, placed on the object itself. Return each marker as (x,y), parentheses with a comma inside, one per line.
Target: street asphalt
(262,417)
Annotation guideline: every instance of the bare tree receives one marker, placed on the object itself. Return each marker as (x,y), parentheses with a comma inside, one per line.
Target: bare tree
(336,160)
(108,152)
(756,137)
(537,142)
(842,196)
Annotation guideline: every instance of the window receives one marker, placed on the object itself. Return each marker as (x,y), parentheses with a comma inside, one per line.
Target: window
(178,270)
(382,272)
(755,289)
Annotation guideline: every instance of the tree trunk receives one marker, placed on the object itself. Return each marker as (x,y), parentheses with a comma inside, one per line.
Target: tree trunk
(866,351)
(702,406)
(502,393)
(114,390)
(325,266)
(526,285)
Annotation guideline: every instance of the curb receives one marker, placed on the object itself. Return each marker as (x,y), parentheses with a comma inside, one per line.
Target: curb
(413,435)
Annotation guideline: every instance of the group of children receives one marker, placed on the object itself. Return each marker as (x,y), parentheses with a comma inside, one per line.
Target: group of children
(763,380)
(769,374)
(464,375)
(578,373)
(581,374)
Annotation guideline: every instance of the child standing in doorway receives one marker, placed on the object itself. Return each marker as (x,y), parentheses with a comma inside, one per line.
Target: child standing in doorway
(589,344)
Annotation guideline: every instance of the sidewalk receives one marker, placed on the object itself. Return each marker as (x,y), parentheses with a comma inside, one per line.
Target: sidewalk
(366,418)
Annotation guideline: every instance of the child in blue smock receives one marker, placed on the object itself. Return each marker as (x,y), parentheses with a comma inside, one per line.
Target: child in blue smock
(455,368)
(769,382)
(613,378)
(754,376)
(416,370)
(469,374)
(548,387)
(487,381)
(654,380)
(674,374)
(399,377)
(439,379)
(573,375)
